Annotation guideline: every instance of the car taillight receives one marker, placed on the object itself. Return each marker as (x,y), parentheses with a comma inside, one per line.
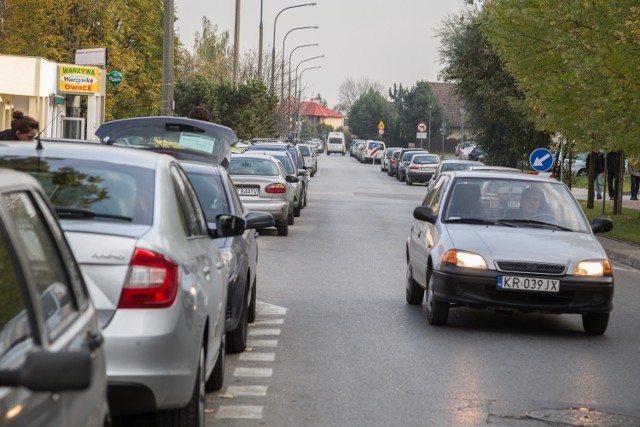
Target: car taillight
(414,167)
(152,281)
(275,189)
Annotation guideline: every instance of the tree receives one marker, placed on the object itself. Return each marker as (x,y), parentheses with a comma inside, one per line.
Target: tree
(349,91)
(367,112)
(412,107)
(494,103)
(212,55)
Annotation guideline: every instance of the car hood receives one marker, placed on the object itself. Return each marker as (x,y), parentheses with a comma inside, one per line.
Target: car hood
(525,244)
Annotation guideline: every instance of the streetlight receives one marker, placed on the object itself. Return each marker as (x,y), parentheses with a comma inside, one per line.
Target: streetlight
(273,52)
(462,113)
(429,128)
(289,91)
(282,66)
(260,46)
(298,129)
(444,125)
(303,61)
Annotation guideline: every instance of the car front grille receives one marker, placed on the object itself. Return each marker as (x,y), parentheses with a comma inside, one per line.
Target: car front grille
(561,299)
(530,267)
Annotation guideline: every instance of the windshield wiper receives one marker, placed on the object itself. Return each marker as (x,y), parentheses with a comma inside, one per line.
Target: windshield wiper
(479,221)
(534,222)
(77,213)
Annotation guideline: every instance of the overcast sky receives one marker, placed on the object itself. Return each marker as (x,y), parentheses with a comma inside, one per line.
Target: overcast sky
(388,41)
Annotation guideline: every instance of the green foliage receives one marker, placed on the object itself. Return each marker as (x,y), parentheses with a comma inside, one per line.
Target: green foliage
(132,31)
(366,113)
(249,109)
(412,107)
(577,62)
(494,104)
(212,55)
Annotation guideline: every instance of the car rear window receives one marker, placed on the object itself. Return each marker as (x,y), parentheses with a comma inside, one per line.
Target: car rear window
(426,160)
(101,188)
(249,166)
(288,165)
(335,140)
(304,150)
(210,193)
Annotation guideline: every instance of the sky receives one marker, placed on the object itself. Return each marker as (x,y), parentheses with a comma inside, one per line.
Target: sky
(384,41)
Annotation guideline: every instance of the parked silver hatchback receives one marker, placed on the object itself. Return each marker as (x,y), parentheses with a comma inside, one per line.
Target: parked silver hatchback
(139,233)
(52,362)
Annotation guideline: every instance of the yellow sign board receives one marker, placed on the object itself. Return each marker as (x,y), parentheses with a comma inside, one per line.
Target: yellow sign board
(79,79)
(381,125)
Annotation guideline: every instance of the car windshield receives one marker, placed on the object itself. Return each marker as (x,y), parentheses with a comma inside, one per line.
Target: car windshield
(84,189)
(335,140)
(426,160)
(514,202)
(252,166)
(455,167)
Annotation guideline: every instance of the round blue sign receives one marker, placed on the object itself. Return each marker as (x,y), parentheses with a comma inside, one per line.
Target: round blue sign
(541,159)
(374,145)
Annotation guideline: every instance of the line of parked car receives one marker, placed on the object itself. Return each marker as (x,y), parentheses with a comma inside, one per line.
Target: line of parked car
(132,267)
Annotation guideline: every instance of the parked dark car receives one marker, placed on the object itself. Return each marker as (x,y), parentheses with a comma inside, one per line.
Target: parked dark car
(404,159)
(52,360)
(392,170)
(170,133)
(477,154)
(218,195)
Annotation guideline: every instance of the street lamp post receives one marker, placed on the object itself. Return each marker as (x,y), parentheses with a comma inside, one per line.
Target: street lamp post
(273,51)
(284,39)
(429,128)
(289,91)
(444,125)
(298,127)
(462,113)
(260,46)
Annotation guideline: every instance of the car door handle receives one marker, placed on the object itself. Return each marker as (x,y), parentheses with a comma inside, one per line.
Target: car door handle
(95,341)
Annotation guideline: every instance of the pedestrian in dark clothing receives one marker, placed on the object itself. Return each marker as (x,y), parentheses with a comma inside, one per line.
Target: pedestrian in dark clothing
(199,113)
(634,171)
(597,173)
(23,128)
(612,173)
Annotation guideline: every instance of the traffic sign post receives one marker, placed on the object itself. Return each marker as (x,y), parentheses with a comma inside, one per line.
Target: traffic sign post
(541,159)
(374,151)
(422,132)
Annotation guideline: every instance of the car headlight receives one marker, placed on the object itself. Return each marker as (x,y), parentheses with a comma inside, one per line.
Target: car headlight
(593,267)
(464,259)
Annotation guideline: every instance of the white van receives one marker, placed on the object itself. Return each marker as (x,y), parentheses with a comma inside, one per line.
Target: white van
(335,143)
(373,151)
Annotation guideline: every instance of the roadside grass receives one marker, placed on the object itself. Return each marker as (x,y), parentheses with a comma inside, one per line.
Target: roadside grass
(626,226)
(581,182)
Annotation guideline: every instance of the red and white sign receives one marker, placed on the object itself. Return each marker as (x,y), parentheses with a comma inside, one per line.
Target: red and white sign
(374,151)
(422,127)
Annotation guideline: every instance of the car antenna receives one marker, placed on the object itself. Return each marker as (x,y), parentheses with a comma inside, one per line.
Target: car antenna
(39,142)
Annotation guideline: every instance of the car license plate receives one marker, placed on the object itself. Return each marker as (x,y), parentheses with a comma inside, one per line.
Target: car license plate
(248,191)
(528,284)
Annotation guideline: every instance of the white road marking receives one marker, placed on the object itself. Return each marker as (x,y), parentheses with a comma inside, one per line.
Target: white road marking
(247,390)
(240,411)
(257,357)
(269,322)
(264,308)
(255,332)
(262,343)
(253,372)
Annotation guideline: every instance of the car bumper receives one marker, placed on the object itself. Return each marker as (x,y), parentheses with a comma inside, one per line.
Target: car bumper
(278,209)
(420,176)
(479,289)
(151,359)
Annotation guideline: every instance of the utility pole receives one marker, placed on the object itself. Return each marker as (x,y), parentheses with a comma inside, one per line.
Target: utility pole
(236,43)
(260,46)
(166,108)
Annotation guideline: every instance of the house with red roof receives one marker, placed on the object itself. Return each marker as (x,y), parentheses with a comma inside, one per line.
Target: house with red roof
(315,113)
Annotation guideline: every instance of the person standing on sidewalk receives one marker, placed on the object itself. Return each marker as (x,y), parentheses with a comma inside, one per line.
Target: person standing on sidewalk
(634,171)
(612,173)
(597,173)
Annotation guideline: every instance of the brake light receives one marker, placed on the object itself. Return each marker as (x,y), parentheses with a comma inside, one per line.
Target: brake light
(275,189)
(152,281)
(414,167)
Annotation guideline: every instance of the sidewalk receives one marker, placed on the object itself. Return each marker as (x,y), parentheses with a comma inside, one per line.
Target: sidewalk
(618,251)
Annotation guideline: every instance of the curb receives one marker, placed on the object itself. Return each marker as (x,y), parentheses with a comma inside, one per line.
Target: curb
(621,252)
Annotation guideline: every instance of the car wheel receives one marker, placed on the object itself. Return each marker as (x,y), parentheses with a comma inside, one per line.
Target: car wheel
(582,172)
(216,380)
(297,210)
(343,153)
(415,293)
(437,311)
(237,339)
(328,153)
(291,218)
(408,181)
(251,315)
(595,323)
(283,229)
(193,413)
(304,205)
(389,172)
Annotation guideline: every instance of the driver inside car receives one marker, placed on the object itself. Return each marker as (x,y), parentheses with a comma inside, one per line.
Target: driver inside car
(533,204)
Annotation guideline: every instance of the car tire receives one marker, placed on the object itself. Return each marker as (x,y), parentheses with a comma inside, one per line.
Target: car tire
(328,153)
(582,172)
(408,181)
(283,229)
(237,339)
(343,153)
(291,217)
(216,379)
(304,205)
(437,311)
(389,172)
(414,292)
(251,312)
(298,209)
(595,323)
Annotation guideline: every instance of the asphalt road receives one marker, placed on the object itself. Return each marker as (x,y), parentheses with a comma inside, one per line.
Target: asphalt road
(335,343)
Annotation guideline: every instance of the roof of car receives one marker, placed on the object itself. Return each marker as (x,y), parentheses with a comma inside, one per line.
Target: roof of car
(191,166)
(491,173)
(84,150)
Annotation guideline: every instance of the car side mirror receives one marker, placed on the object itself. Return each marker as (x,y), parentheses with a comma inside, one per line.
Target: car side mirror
(257,219)
(292,178)
(601,225)
(424,213)
(303,172)
(52,372)
(229,225)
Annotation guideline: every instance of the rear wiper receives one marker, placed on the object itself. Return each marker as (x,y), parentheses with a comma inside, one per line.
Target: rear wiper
(77,213)
(479,221)
(534,222)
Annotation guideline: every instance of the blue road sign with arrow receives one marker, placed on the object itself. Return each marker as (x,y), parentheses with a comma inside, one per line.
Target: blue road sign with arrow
(541,159)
